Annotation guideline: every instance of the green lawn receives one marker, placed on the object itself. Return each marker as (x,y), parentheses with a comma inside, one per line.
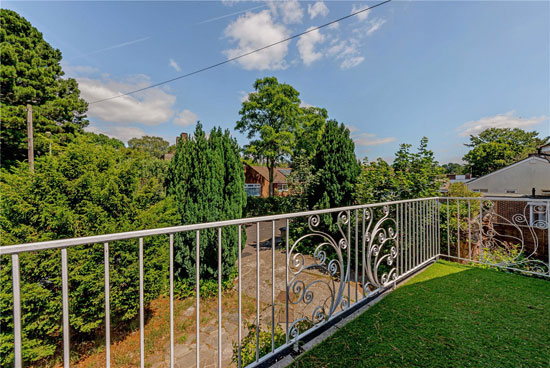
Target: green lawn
(450,315)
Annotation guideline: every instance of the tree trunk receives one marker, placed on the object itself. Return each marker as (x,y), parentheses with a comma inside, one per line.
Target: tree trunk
(271,168)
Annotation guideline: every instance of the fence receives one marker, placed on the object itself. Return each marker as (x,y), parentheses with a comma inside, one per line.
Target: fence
(331,260)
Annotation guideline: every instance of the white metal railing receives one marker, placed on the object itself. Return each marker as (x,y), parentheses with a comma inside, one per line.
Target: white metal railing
(354,253)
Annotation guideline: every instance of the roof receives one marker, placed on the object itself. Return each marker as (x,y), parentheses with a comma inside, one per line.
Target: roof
(279,174)
(534,157)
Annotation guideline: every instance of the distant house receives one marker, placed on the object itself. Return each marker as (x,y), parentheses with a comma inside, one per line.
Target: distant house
(528,177)
(454,178)
(257,181)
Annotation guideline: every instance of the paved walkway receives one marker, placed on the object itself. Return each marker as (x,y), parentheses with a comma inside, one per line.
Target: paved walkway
(185,352)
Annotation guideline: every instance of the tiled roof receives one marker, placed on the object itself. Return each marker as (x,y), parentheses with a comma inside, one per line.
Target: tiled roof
(278,176)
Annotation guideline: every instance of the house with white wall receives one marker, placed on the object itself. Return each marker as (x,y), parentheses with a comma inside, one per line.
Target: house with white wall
(528,177)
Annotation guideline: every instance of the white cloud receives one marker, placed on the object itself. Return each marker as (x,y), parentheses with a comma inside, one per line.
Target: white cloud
(290,11)
(319,8)
(375,25)
(243,96)
(186,118)
(124,133)
(306,46)
(361,16)
(351,62)
(151,107)
(252,31)
(174,65)
(370,139)
(507,120)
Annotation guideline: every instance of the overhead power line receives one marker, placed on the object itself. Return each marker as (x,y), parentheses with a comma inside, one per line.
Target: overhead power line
(242,55)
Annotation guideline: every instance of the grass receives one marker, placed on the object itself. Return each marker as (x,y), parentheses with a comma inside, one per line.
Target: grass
(450,315)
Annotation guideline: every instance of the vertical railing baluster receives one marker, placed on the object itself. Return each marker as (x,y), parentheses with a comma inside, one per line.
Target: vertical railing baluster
(65,294)
(141,308)
(198,293)
(417,235)
(356,253)
(257,291)
(272,285)
(363,255)
(240,359)
(409,237)
(16,310)
(220,270)
(448,229)
(107,305)
(286,277)
(438,222)
(349,257)
(469,232)
(398,219)
(171,241)
(458,226)
(481,230)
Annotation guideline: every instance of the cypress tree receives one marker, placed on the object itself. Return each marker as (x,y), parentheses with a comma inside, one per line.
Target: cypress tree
(207,179)
(337,169)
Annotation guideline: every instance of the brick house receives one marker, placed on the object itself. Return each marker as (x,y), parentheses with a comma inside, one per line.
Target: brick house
(256,180)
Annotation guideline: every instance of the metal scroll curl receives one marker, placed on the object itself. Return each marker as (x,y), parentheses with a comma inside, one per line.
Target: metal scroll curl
(509,249)
(379,249)
(332,279)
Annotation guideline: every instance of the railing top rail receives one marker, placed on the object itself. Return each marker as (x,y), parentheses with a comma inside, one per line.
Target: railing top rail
(495,198)
(65,243)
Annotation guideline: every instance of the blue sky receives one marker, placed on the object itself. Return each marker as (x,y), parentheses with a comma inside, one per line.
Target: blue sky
(402,71)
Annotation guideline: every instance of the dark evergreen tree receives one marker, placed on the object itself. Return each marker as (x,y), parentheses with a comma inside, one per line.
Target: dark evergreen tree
(336,167)
(30,73)
(207,179)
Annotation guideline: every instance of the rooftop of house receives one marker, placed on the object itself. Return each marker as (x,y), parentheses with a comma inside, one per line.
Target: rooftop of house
(279,175)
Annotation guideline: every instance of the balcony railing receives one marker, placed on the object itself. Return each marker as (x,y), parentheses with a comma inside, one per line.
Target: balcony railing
(335,260)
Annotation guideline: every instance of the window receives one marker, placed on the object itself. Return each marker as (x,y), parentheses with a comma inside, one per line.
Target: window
(282,187)
(481,190)
(253,190)
(538,215)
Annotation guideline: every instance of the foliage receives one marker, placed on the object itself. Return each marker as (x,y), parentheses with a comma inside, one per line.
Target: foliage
(206,177)
(309,132)
(155,146)
(336,169)
(460,316)
(412,175)
(30,73)
(452,215)
(248,344)
(270,116)
(496,148)
(259,206)
(454,168)
(88,189)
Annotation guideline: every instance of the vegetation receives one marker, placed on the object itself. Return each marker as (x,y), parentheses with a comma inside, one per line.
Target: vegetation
(206,178)
(336,169)
(87,189)
(454,168)
(30,73)
(155,146)
(457,315)
(270,115)
(496,148)
(412,175)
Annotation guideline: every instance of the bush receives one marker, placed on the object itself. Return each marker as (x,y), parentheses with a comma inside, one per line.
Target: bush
(206,177)
(88,189)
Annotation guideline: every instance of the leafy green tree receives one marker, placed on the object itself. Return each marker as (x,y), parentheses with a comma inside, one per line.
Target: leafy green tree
(412,175)
(454,168)
(270,117)
(309,131)
(496,148)
(87,189)
(30,73)
(155,146)
(206,177)
(336,168)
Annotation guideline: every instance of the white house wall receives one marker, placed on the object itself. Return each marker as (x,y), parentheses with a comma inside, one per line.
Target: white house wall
(521,177)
